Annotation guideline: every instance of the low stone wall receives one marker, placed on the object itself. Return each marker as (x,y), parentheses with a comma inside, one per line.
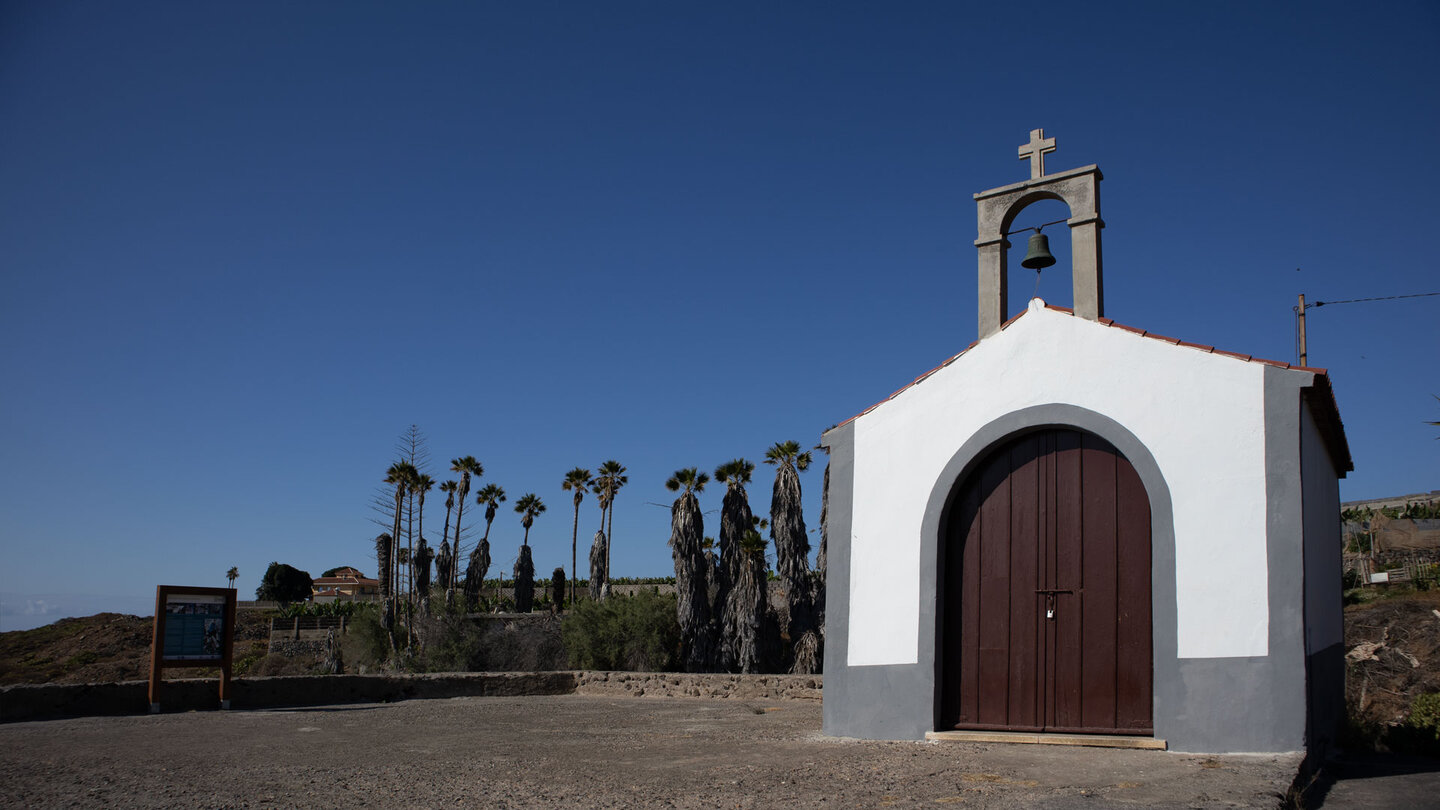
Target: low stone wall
(48,701)
(306,648)
(674,684)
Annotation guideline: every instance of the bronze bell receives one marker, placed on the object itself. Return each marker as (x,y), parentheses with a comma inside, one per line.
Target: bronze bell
(1037,253)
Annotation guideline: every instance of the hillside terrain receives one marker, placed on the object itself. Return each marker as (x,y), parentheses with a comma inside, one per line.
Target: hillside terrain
(110,647)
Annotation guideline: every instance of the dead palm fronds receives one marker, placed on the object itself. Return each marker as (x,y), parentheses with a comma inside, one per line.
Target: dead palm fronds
(687,530)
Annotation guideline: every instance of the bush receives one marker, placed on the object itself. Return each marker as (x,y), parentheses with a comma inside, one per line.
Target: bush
(490,644)
(365,642)
(637,633)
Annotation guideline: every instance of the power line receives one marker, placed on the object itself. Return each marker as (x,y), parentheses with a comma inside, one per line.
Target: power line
(1381,298)
(1299,310)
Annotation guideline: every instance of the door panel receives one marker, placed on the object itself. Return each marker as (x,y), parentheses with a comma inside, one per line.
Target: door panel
(1046,619)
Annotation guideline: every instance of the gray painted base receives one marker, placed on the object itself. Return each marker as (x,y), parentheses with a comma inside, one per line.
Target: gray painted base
(1232,705)
(879,703)
(1327,700)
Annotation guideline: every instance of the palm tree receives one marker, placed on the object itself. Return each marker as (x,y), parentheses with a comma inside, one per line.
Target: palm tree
(232,575)
(467,466)
(745,610)
(612,477)
(475,573)
(735,521)
(787,532)
(490,496)
(384,548)
(444,563)
(599,586)
(600,566)
(449,488)
(420,485)
(687,528)
(527,506)
(424,556)
(400,474)
(577,480)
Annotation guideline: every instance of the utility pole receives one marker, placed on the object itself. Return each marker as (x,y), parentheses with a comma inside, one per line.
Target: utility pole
(1301,310)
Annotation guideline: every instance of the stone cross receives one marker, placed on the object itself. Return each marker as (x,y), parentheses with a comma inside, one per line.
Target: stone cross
(1035,151)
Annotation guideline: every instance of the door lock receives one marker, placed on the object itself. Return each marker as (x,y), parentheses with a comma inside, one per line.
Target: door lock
(1050,599)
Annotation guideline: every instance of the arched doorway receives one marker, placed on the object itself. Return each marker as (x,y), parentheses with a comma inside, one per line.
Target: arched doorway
(1046,606)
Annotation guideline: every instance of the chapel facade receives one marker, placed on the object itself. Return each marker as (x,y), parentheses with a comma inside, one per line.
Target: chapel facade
(1079,527)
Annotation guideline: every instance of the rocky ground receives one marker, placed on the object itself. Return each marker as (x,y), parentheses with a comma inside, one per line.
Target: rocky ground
(582,751)
(1392,656)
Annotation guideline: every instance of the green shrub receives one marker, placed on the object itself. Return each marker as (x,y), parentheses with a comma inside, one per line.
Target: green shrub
(337,608)
(365,642)
(637,633)
(1425,716)
(489,644)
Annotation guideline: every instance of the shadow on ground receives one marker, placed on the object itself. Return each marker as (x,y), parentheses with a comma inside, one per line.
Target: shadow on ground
(1367,779)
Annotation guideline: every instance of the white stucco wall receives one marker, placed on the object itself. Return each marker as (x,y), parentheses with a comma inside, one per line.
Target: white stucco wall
(1201,415)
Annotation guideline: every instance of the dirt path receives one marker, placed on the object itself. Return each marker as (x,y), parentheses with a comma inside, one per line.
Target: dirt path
(577,751)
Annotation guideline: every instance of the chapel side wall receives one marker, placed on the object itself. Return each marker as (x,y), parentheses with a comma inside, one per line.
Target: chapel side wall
(869,702)
(1257,704)
(1324,613)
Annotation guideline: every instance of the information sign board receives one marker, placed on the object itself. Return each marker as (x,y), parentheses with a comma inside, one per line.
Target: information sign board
(194,627)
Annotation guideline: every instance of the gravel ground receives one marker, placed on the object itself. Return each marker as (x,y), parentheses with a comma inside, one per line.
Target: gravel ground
(579,751)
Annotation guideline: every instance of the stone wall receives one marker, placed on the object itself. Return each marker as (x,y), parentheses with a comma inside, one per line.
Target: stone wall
(307,648)
(48,701)
(674,684)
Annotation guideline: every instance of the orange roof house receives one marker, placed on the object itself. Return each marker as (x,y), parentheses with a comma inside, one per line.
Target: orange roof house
(345,583)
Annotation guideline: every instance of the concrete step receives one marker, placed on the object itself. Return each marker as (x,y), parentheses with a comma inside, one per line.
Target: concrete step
(1029,738)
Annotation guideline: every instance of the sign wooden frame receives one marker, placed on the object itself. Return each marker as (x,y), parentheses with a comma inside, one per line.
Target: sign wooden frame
(183,634)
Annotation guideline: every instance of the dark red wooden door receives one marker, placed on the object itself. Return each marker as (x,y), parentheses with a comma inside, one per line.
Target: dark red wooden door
(1046,623)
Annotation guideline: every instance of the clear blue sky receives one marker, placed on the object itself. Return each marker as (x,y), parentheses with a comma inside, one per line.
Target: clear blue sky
(246,245)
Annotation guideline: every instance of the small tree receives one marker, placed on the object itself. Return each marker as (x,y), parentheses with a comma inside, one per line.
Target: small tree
(557,588)
(232,575)
(284,584)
